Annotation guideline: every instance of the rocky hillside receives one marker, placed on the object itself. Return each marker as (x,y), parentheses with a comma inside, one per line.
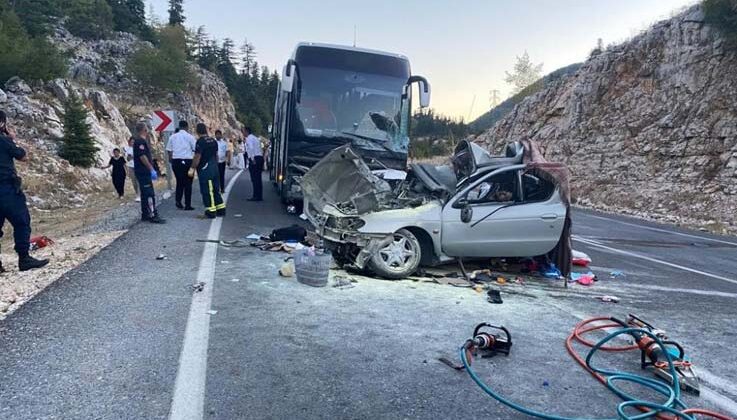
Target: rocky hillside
(648,127)
(97,74)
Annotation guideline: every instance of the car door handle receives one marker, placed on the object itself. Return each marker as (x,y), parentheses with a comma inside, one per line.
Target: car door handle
(549,216)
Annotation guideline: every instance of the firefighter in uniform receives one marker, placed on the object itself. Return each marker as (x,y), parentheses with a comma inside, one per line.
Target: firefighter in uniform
(13,206)
(205,162)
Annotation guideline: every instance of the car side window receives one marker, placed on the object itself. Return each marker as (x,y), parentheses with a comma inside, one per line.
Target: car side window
(536,187)
(500,188)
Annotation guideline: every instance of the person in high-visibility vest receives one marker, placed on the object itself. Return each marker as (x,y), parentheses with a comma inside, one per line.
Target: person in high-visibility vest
(205,162)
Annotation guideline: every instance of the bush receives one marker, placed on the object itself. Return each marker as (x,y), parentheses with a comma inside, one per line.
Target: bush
(78,147)
(722,14)
(89,19)
(28,58)
(163,68)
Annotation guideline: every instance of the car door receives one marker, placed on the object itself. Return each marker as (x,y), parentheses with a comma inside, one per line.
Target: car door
(490,218)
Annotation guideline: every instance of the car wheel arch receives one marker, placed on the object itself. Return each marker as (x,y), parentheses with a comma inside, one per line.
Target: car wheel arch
(427,246)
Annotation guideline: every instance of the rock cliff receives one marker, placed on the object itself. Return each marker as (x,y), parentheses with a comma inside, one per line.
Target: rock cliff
(97,75)
(648,127)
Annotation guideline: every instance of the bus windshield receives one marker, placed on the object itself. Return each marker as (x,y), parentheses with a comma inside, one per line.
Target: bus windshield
(365,107)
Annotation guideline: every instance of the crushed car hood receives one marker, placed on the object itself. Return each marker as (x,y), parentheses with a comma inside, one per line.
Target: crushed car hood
(342,180)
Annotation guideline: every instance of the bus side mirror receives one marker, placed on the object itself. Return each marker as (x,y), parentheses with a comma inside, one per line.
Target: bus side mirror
(287,76)
(424,87)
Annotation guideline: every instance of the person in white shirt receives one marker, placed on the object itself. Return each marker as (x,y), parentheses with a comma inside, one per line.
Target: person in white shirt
(223,157)
(255,163)
(181,150)
(129,166)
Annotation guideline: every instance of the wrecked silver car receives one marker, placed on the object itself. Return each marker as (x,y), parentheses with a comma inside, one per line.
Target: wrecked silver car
(479,206)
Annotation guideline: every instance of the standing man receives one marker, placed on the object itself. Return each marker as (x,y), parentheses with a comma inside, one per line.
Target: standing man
(223,157)
(129,167)
(255,163)
(12,200)
(206,163)
(145,174)
(181,149)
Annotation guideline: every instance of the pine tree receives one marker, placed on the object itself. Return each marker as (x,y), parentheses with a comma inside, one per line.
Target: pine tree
(176,12)
(78,147)
(526,73)
(248,57)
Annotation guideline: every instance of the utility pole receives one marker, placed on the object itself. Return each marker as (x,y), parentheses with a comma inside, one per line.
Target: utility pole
(355,29)
(470,111)
(493,98)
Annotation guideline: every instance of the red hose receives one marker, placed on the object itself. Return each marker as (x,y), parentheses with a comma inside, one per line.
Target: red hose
(577,335)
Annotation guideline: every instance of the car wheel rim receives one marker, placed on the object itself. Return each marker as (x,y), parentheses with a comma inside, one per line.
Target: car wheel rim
(399,254)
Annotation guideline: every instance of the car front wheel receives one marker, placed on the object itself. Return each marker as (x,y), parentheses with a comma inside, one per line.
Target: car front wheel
(400,258)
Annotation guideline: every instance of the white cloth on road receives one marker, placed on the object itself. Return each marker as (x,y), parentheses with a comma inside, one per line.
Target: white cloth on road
(181,145)
(222,150)
(253,146)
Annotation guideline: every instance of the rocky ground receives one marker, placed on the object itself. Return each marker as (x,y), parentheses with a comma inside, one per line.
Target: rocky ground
(647,128)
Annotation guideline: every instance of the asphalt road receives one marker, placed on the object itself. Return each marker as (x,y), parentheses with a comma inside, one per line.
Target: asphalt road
(124,335)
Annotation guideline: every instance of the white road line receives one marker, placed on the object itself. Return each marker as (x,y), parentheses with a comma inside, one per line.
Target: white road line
(651,259)
(662,230)
(189,389)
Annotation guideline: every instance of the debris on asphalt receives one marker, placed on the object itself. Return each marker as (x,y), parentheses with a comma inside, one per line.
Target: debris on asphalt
(494,296)
(312,267)
(340,282)
(238,215)
(161,257)
(580,258)
(290,233)
(501,280)
(224,262)
(166,195)
(584,279)
(235,280)
(212,312)
(287,269)
(198,287)
(38,242)
(238,243)
(616,274)
(550,271)
(253,237)
(607,298)
(303,216)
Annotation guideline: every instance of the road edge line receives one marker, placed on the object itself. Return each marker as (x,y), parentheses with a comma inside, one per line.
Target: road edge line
(188,400)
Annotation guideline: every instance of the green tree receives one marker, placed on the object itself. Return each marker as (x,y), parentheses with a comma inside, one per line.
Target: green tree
(525,73)
(77,147)
(37,15)
(130,16)
(164,68)
(89,19)
(176,12)
(29,58)
(722,14)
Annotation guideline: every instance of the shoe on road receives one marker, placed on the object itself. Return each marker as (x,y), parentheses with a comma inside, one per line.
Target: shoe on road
(255,199)
(180,206)
(29,263)
(138,199)
(220,213)
(210,214)
(188,208)
(156,220)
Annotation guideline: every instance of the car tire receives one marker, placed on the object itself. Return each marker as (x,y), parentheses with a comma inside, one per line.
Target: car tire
(400,258)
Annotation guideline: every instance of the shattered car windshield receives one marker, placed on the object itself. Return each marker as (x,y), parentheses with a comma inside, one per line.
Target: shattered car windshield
(368,107)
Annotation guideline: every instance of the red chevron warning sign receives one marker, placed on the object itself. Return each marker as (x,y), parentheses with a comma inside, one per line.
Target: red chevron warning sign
(163,120)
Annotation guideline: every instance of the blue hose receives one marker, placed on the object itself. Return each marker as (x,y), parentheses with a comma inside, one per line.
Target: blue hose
(672,405)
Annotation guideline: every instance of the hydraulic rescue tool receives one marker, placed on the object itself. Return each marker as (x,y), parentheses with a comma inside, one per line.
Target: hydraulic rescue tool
(652,356)
(488,341)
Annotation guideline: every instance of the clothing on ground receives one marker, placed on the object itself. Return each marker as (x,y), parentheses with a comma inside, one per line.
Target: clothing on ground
(181,145)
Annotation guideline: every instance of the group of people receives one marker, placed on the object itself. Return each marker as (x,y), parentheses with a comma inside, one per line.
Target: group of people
(205,156)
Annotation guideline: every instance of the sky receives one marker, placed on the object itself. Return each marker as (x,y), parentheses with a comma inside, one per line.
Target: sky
(463,47)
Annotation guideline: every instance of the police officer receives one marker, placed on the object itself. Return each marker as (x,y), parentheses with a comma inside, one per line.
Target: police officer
(12,200)
(206,163)
(145,174)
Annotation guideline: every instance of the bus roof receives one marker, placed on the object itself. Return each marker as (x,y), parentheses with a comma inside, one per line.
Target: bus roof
(346,48)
